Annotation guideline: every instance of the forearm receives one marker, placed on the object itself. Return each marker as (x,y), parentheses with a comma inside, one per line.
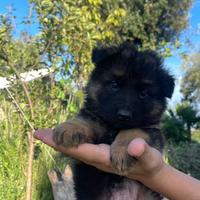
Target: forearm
(173,184)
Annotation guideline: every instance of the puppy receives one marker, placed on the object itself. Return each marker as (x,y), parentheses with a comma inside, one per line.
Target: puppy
(125,99)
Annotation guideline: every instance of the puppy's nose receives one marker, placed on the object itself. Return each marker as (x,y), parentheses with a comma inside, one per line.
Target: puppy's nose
(124,115)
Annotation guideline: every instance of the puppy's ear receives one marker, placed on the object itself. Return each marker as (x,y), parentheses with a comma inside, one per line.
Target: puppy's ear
(168,84)
(101,53)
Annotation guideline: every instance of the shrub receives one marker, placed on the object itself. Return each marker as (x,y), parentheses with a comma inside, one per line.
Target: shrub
(185,157)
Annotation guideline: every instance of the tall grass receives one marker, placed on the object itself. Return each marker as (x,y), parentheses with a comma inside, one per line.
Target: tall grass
(12,181)
(14,154)
(13,167)
(13,157)
(42,164)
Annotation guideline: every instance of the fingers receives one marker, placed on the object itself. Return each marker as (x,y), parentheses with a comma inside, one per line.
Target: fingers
(85,152)
(49,141)
(45,136)
(40,134)
(91,153)
(149,159)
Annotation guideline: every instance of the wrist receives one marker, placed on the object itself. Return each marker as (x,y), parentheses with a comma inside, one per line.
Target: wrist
(156,180)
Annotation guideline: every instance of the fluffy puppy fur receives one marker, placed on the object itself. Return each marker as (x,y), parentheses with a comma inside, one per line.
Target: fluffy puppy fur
(125,99)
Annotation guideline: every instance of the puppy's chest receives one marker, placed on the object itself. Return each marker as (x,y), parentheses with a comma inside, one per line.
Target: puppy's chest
(128,189)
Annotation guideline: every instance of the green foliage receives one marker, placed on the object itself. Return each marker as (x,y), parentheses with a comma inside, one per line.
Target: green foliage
(185,158)
(41,100)
(187,113)
(176,125)
(149,22)
(78,27)
(13,182)
(190,84)
(14,156)
(42,188)
(196,136)
(173,128)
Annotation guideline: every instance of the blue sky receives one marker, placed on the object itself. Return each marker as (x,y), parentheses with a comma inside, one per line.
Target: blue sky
(172,63)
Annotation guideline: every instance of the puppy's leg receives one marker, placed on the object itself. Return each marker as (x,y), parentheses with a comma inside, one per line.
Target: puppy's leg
(77,131)
(120,159)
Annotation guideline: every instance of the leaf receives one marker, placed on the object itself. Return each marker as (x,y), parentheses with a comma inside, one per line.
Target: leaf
(73,108)
(62,81)
(62,94)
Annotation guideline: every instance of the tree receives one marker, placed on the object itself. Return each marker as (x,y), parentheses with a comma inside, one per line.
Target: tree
(78,26)
(190,84)
(176,125)
(148,22)
(188,115)
(173,127)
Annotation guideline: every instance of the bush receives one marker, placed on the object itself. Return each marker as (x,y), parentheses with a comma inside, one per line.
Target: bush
(185,157)
(13,181)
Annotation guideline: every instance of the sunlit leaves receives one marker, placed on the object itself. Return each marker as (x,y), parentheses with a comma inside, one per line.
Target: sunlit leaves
(190,84)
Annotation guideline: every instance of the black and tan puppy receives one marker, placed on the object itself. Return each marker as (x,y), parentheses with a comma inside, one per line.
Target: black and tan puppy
(125,99)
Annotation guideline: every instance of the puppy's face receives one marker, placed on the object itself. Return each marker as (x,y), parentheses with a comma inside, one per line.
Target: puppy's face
(128,88)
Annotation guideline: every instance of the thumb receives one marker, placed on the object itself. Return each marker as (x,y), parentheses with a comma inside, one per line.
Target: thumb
(147,156)
(136,147)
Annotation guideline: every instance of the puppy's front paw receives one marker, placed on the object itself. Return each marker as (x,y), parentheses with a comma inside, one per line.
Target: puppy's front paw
(121,161)
(69,135)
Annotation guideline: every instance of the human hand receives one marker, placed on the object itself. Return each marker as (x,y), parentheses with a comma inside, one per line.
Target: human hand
(150,169)
(150,161)
(95,155)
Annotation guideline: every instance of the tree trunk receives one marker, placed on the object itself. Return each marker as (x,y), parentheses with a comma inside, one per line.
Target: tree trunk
(30,166)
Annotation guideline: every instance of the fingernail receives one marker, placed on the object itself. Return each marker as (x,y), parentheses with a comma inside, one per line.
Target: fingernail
(141,153)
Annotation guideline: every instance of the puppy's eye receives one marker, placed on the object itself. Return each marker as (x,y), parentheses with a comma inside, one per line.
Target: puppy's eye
(114,86)
(143,94)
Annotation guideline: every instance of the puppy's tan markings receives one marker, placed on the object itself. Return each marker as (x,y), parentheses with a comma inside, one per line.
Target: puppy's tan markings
(147,81)
(76,132)
(120,159)
(119,73)
(157,108)
(126,53)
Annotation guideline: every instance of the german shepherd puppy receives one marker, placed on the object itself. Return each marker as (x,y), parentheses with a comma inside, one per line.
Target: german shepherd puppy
(125,99)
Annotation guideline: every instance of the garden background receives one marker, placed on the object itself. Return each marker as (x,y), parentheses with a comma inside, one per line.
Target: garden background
(58,36)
